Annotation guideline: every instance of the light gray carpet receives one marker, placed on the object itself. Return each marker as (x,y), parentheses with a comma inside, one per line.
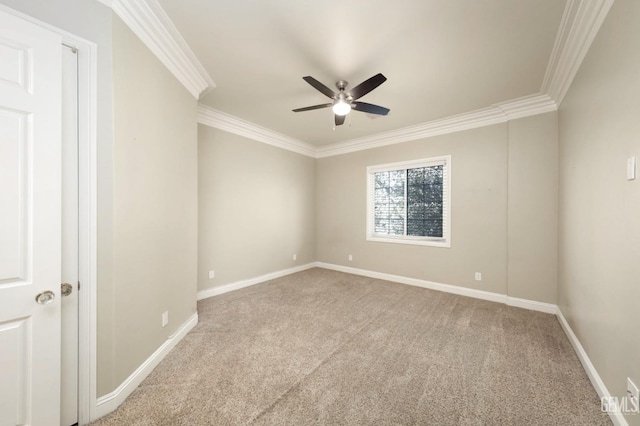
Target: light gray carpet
(323,347)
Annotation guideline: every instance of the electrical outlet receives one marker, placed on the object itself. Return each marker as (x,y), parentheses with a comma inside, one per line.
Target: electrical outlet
(295,256)
(478,276)
(350,258)
(212,275)
(632,392)
(165,318)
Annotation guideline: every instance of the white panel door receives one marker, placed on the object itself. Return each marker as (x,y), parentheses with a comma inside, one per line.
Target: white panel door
(30,81)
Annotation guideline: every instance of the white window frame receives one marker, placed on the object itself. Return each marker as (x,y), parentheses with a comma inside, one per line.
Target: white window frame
(445,240)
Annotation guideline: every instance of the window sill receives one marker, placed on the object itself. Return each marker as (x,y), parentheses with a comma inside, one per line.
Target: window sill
(418,242)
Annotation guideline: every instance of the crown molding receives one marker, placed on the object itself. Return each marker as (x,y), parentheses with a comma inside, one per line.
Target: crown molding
(580,23)
(497,113)
(150,23)
(527,106)
(220,120)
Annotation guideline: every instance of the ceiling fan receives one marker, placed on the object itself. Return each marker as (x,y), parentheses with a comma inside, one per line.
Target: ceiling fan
(344,101)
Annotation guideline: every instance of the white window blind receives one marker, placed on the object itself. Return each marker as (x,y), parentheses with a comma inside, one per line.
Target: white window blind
(409,202)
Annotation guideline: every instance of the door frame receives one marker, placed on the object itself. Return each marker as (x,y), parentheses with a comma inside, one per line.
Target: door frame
(87,213)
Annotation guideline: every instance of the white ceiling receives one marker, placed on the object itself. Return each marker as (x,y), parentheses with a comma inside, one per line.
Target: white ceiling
(441,57)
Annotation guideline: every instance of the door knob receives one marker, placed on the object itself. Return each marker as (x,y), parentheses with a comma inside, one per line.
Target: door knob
(45,297)
(66,289)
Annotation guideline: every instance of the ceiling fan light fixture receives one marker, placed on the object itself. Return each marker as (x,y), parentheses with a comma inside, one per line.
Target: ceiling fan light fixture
(341,107)
(343,102)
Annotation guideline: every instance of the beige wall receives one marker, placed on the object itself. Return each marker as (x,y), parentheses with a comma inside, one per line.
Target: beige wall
(155,205)
(256,208)
(599,121)
(532,213)
(482,169)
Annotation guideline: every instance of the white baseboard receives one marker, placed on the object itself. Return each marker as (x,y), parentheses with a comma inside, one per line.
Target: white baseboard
(215,291)
(617,418)
(532,305)
(447,288)
(107,403)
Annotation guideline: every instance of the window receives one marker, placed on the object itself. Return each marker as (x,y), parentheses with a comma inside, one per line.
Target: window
(409,202)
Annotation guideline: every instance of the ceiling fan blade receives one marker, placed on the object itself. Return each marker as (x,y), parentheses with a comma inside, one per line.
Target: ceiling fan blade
(370,108)
(339,119)
(366,86)
(310,108)
(319,86)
